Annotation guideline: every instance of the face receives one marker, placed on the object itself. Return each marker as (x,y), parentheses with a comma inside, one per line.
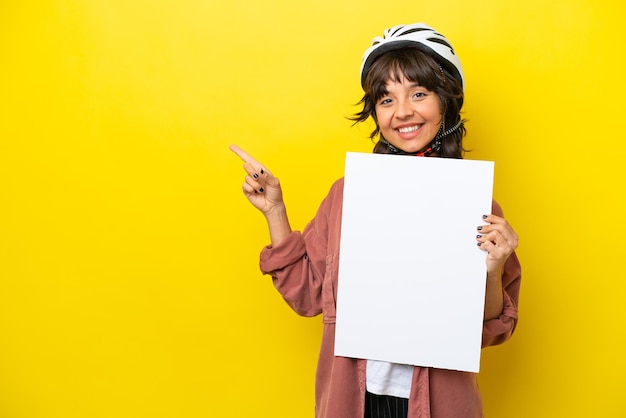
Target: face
(409,115)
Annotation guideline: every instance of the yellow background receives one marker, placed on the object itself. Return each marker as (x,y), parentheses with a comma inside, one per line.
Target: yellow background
(129,281)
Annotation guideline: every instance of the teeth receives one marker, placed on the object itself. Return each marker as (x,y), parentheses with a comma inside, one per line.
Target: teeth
(409,129)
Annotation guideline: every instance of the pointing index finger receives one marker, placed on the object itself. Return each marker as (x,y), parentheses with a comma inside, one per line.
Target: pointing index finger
(242,154)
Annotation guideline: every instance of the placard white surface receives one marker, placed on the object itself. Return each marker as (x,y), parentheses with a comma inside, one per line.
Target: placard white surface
(411,277)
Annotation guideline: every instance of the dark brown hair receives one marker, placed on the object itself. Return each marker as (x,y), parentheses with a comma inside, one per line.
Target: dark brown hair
(417,67)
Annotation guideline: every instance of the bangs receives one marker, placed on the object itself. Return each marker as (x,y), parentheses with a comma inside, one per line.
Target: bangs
(409,63)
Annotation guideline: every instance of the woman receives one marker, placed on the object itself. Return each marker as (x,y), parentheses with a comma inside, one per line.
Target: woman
(413,83)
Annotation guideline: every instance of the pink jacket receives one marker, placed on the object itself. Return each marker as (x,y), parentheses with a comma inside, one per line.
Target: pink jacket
(304,269)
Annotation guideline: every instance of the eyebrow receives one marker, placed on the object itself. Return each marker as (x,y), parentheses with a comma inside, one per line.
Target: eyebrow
(383,92)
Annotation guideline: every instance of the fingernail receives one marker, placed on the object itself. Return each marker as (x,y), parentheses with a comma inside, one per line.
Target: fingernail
(484,216)
(478,236)
(261,190)
(480,228)
(255,191)
(255,175)
(262,172)
(479,244)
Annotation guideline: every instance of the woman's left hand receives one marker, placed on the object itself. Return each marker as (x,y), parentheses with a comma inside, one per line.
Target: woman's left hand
(499,240)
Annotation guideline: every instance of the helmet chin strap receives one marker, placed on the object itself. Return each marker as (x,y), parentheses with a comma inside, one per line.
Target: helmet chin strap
(433,147)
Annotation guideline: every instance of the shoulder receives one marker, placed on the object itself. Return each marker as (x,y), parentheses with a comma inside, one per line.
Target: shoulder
(335,194)
(334,198)
(337,187)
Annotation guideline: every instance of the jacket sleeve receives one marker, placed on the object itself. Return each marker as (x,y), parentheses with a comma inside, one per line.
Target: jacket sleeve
(298,263)
(498,330)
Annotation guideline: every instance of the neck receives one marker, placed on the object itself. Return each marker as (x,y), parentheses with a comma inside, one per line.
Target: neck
(430,149)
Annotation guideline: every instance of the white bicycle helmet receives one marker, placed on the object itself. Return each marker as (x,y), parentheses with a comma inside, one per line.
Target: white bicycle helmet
(416,35)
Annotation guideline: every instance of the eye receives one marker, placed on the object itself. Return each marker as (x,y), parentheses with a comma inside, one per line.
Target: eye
(419,94)
(384,101)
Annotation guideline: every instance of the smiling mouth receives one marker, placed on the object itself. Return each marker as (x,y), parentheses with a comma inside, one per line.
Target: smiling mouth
(408,129)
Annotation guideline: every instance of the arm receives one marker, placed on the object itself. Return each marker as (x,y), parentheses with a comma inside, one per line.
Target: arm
(303,265)
(297,272)
(296,261)
(499,240)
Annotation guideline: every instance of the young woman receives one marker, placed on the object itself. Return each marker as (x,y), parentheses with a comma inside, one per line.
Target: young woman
(413,83)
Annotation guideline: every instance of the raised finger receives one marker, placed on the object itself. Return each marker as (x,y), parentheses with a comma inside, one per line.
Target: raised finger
(252,166)
(242,154)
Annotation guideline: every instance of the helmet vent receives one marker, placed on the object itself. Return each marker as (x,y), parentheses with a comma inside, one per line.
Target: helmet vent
(442,42)
(413,30)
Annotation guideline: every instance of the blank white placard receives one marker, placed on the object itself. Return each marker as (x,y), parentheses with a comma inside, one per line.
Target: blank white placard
(411,277)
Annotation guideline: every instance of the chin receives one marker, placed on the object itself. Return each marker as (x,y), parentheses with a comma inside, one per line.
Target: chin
(411,148)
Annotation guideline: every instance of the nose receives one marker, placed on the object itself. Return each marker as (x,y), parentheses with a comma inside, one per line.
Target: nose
(404,109)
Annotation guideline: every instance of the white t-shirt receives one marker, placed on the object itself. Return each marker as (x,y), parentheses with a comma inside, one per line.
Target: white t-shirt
(391,379)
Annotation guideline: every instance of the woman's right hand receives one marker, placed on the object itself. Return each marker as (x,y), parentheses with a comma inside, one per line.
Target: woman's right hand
(261,188)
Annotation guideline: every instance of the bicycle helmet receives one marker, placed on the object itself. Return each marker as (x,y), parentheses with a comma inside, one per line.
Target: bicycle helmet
(416,35)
